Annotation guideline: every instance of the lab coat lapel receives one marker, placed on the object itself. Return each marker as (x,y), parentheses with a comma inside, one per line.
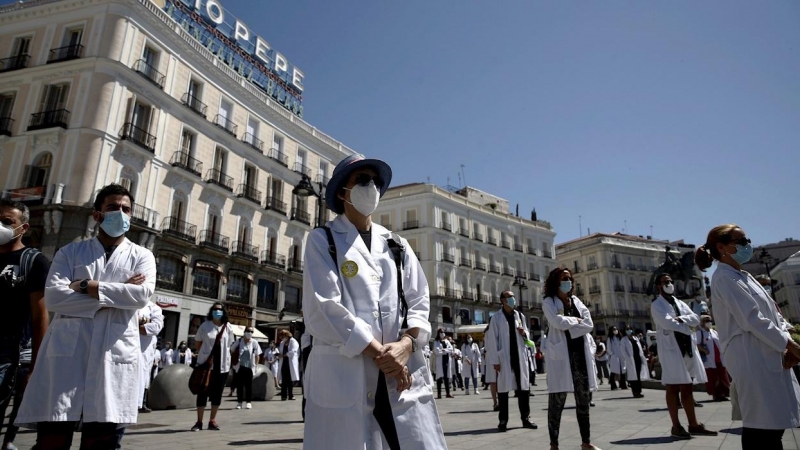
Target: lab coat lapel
(343,226)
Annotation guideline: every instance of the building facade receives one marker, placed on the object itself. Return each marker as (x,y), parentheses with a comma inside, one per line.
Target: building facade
(125,91)
(786,282)
(612,275)
(471,249)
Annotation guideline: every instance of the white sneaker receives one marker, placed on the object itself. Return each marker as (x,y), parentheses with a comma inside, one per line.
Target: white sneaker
(249,405)
(477,392)
(239,405)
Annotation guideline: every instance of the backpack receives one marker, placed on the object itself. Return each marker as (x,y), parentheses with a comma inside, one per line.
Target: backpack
(398,253)
(25,266)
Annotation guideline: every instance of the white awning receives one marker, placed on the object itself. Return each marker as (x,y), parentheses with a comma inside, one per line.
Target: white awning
(470,329)
(238,331)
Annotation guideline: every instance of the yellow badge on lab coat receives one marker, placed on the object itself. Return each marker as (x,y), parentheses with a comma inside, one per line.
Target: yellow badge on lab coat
(349,269)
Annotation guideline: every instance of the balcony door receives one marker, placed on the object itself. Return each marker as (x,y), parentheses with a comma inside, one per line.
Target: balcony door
(55,97)
(72,37)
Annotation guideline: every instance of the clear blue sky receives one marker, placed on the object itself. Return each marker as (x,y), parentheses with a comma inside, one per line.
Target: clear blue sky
(681,115)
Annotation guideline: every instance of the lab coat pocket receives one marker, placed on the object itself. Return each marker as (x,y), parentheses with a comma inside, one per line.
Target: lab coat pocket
(667,340)
(125,343)
(334,381)
(63,337)
(556,346)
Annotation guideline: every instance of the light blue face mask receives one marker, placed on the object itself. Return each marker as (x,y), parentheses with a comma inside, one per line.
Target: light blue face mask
(566,286)
(217,314)
(511,302)
(116,223)
(743,253)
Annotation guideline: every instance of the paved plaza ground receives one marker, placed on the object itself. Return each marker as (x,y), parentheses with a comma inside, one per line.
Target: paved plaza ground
(618,422)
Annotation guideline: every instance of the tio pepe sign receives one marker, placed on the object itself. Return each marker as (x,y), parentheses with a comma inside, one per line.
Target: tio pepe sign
(237,47)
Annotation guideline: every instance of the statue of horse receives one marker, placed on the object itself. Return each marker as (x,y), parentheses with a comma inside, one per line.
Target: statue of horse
(681,270)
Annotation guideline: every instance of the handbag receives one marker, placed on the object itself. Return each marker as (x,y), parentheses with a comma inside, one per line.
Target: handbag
(235,353)
(201,374)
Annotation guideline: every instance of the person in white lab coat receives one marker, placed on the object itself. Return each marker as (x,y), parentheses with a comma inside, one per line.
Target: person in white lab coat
(756,346)
(167,356)
(457,365)
(151,322)
(506,353)
(681,365)
(719,383)
(616,360)
(569,356)
(88,369)
(183,355)
(271,355)
(220,355)
(289,359)
(471,363)
(443,352)
(365,375)
(635,362)
(249,355)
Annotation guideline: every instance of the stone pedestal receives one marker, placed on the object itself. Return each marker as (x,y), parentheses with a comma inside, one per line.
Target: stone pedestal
(170,389)
(263,384)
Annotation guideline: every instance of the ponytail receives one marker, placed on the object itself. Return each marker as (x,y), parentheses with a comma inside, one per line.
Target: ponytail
(703,258)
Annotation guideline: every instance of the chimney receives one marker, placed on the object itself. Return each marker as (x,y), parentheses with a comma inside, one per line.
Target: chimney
(517,209)
(533,215)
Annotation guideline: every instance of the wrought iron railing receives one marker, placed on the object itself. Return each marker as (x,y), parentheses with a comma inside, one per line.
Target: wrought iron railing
(278,156)
(138,136)
(301,216)
(65,53)
(253,142)
(249,192)
(146,70)
(172,226)
(194,103)
(218,177)
(14,63)
(226,124)
(244,250)
(214,240)
(271,258)
(184,160)
(411,224)
(49,119)
(276,204)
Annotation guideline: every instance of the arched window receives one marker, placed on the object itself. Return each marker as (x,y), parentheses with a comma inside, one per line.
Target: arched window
(206,281)
(171,272)
(238,288)
(178,209)
(38,173)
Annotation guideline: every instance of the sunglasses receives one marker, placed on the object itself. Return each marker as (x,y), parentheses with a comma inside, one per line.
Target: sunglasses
(743,241)
(363,179)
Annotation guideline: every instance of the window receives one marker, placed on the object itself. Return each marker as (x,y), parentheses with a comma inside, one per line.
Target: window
(386,221)
(72,37)
(150,57)
(292,299)
(277,189)
(244,233)
(220,160)
(447,316)
(479,317)
(252,133)
(188,140)
(445,220)
(142,116)
(55,97)
(21,46)
(170,274)
(225,113)
(213,221)
(277,143)
(38,173)
(206,283)
(323,172)
(6,105)
(178,205)
(195,90)
(127,179)
(250,176)
(265,297)
(301,163)
(238,288)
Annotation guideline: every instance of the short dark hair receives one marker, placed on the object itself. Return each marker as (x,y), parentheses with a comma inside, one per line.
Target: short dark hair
(553,282)
(21,207)
(660,276)
(224,312)
(111,189)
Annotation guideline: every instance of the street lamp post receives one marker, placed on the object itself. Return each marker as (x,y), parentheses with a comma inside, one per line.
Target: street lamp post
(520,283)
(305,189)
(766,258)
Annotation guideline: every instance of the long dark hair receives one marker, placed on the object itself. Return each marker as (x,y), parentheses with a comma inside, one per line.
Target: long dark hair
(439,334)
(611,332)
(553,282)
(224,312)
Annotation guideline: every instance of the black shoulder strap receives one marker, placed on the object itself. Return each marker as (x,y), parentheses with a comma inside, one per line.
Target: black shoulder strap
(331,244)
(398,252)
(26,263)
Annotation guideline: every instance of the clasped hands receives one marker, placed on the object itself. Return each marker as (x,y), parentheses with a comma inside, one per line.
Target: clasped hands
(392,361)
(791,356)
(137,279)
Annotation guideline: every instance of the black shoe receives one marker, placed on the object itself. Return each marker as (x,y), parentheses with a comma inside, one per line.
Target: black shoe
(698,405)
(591,404)
(529,424)
(496,408)
(212,425)
(197,426)
(144,410)
(502,427)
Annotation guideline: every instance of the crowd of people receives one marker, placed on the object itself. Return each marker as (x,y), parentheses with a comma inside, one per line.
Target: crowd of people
(368,359)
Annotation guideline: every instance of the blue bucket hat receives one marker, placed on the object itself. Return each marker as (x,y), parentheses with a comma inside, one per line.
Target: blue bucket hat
(342,173)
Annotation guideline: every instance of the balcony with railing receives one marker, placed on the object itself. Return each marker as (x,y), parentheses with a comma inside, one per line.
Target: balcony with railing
(508,271)
(296,264)
(215,241)
(411,224)
(267,301)
(480,265)
(143,217)
(630,266)
(634,290)
(492,240)
(301,216)
(244,250)
(150,73)
(547,254)
(138,136)
(49,119)
(240,295)
(616,265)
(183,160)
(278,156)
(65,53)
(249,193)
(218,177)
(302,169)
(465,262)
(518,248)
(533,251)
(226,124)
(535,277)
(594,290)
(277,205)
(173,282)
(194,103)
(5,126)
(619,288)
(477,236)
(254,142)
(506,244)
(449,293)
(449,257)
(591,266)
(495,268)
(469,296)
(178,229)
(206,288)
(463,232)
(446,226)
(273,259)
(579,291)
(322,178)
(14,63)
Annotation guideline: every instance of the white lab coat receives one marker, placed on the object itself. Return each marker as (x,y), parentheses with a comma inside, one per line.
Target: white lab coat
(498,351)
(559,372)
(443,349)
(752,337)
(147,343)
(471,361)
(456,361)
(272,362)
(344,314)
(616,360)
(253,347)
(292,358)
(675,369)
(207,334)
(630,361)
(187,361)
(167,358)
(89,358)
(709,338)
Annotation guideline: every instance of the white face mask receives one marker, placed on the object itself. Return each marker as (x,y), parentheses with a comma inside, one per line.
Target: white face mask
(7,233)
(365,198)
(248,334)
(469,341)
(669,288)
(441,335)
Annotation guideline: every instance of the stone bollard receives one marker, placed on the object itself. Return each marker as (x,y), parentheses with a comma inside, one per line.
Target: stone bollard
(263,384)
(170,389)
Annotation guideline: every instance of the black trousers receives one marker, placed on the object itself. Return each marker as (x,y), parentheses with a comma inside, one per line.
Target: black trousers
(613,379)
(636,385)
(214,392)
(523,401)
(58,435)
(244,385)
(383,413)
(758,439)
(286,382)
(439,386)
